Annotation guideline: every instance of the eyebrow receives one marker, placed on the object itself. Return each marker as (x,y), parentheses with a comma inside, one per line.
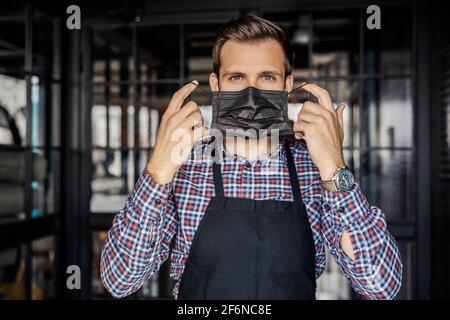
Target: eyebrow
(270,73)
(263,73)
(233,73)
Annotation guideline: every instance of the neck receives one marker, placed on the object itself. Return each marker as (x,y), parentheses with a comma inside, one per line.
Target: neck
(251,149)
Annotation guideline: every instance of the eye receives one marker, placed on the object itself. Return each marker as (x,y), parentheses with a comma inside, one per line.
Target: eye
(268,77)
(235,78)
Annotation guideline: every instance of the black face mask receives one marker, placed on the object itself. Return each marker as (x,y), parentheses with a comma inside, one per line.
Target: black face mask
(251,112)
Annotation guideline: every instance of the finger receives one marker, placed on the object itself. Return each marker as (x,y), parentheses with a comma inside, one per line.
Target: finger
(179,96)
(195,119)
(299,136)
(185,111)
(302,127)
(199,133)
(311,107)
(340,113)
(308,116)
(321,94)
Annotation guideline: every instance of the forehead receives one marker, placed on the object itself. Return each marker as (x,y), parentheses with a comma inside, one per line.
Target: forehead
(252,56)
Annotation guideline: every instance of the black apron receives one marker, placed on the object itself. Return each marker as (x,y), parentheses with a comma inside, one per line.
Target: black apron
(251,249)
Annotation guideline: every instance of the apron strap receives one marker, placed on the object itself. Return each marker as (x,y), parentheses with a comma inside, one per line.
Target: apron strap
(217,174)
(295,185)
(218,182)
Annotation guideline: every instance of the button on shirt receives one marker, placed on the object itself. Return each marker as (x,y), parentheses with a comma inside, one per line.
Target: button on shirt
(158,221)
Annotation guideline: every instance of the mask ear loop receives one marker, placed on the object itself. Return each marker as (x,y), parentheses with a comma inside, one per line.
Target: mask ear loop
(311,97)
(189,97)
(292,137)
(299,87)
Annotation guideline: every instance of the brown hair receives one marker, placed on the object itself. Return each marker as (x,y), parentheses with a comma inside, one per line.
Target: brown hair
(252,28)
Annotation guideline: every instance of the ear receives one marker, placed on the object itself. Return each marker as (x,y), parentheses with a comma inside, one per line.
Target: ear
(289,83)
(214,81)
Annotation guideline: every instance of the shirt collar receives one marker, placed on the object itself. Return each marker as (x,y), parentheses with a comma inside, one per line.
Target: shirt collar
(277,153)
(264,158)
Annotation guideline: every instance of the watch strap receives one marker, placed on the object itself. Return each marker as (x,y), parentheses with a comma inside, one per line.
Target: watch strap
(328,185)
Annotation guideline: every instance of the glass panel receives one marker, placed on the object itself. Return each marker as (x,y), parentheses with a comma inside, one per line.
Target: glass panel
(111,93)
(99,132)
(408,255)
(98,242)
(112,56)
(352,158)
(12,159)
(43,44)
(43,265)
(336,43)
(51,184)
(120,115)
(12,273)
(344,91)
(38,112)
(143,159)
(148,126)
(12,44)
(12,178)
(332,285)
(115,126)
(130,126)
(113,179)
(150,289)
(54,115)
(199,40)
(144,126)
(298,25)
(388,50)
(154,124)
(386,102)
(158,96)
(39,185)
(99,87)
(114,133)
(13,269)
(387,182)
(159,52)
(12,110)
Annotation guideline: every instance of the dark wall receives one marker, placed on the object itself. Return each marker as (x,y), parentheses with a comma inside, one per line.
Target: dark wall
(440,97)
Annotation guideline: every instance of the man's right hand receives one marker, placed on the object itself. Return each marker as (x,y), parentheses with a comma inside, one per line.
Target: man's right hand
(176,130)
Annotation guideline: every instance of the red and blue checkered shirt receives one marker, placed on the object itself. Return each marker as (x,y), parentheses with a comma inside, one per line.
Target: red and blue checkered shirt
(160,219)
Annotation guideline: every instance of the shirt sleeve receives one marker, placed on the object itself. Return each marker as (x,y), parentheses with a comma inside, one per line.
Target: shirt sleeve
(139,239)
(377,270)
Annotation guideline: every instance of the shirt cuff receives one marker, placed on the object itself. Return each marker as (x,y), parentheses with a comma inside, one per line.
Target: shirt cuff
(348,208)
(149,196)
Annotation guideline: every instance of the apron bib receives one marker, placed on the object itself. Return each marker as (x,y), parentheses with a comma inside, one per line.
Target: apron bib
(247,249)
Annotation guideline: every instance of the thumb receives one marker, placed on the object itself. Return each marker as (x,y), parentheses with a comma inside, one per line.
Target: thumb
(340,113)
(199,133)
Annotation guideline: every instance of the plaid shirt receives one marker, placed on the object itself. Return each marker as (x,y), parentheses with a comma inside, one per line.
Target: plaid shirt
(158,219)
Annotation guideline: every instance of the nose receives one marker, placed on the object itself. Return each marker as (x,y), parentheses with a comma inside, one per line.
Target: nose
(251,82)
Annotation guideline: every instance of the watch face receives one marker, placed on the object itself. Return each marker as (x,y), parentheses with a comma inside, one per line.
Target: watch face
(345,180)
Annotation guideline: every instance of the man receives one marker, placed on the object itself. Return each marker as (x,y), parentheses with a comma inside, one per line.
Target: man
(253,225)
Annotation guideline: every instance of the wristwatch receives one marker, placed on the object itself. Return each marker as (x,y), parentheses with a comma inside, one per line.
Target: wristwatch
(342,180)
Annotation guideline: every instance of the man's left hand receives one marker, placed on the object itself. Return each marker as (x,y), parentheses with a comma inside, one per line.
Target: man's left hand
(322,127)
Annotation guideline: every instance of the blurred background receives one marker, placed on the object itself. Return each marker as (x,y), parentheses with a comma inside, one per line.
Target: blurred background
(79,112)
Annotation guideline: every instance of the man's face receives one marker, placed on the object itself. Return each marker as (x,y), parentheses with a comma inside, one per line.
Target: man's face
(258,64)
